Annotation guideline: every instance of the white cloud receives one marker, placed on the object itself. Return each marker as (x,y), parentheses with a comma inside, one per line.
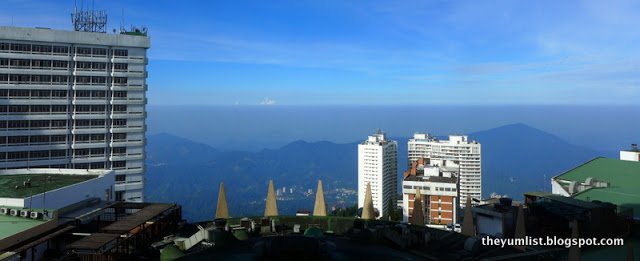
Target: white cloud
(267,101)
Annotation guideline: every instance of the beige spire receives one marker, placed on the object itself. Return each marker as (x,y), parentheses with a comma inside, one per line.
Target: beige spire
(520,227)
(367,208)
(418,210)
(467,224)
(319,208)
(271,209)
(222,210)
(574,250)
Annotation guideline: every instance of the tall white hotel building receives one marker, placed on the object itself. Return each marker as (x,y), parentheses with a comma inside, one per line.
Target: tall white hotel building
(458,149)
(72,99)
(378,165)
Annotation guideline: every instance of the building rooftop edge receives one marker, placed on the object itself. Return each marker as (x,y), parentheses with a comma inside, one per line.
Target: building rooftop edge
(73,37)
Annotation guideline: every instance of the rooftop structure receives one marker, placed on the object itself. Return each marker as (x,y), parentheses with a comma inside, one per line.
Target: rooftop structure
(53,188)
(20,186)
(497,219)
(271,207)
(632,154)
(602,179)
(319,207)
(222,210)
(437,182)
(31,197)
(367,208)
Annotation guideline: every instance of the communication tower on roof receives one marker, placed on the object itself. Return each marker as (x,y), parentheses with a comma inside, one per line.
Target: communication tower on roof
(89,20)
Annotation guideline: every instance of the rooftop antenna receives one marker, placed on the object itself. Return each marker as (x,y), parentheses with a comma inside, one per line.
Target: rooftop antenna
(89,20)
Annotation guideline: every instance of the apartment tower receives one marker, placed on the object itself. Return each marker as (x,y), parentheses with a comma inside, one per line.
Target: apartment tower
(378,166)
(458,149)
(74,99)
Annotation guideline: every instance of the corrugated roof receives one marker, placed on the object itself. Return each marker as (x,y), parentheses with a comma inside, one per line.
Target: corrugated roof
(145,214)
(93,242)
(564,200)
(623,178)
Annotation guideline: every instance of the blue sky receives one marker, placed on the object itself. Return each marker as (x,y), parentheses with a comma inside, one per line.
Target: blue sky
(376,52)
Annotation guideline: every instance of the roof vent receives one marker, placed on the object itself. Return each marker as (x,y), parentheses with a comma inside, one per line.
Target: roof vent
(572,187)
(589,181)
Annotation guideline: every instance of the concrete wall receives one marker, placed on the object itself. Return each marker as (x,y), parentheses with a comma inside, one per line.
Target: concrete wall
(557,189)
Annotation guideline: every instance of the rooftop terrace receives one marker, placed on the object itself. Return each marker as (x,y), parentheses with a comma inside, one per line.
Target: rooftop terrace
(39,183)
(10,225)
(623,178)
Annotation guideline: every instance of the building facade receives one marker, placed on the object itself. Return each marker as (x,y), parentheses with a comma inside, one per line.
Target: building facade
(378,165)
(74,100)
(459,149)
(437,182)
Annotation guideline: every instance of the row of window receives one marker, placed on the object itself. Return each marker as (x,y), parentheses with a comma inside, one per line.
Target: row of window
(34,124)
(57,79)
(34,48)
(34,64)
(33,108)
(31,155)
(33,93)
(20,93)
(58,124)
(58,108)
(92,165)
(47,139)
(55,64)
(57,49)
(98,151)
(427,188)
(33,139)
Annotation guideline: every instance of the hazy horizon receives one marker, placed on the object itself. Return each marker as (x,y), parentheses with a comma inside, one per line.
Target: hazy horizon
(601,128)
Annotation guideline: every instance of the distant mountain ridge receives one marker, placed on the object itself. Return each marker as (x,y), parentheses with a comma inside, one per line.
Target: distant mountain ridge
(516,158)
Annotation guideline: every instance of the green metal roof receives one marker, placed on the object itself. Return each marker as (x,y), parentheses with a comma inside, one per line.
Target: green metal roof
(623,178)
(10,225)
(39,183)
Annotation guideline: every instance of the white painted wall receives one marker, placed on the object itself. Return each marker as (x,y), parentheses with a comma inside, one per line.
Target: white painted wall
(630,155)
(557,189)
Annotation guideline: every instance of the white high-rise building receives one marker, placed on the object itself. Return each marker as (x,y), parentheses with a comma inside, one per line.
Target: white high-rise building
(71,99)
(458,149)
(378,165)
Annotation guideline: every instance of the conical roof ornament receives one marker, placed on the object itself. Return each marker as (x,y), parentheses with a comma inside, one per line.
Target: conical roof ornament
(320,208)
(467,224)
(367,208)
(222,210)
(418,210)
(271,208)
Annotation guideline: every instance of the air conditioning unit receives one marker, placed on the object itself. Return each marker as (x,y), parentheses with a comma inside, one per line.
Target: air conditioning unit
(4,211)
(36,215)
(14,212)
(25,213)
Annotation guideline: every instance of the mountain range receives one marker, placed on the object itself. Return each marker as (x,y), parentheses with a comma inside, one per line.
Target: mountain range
(515,158)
